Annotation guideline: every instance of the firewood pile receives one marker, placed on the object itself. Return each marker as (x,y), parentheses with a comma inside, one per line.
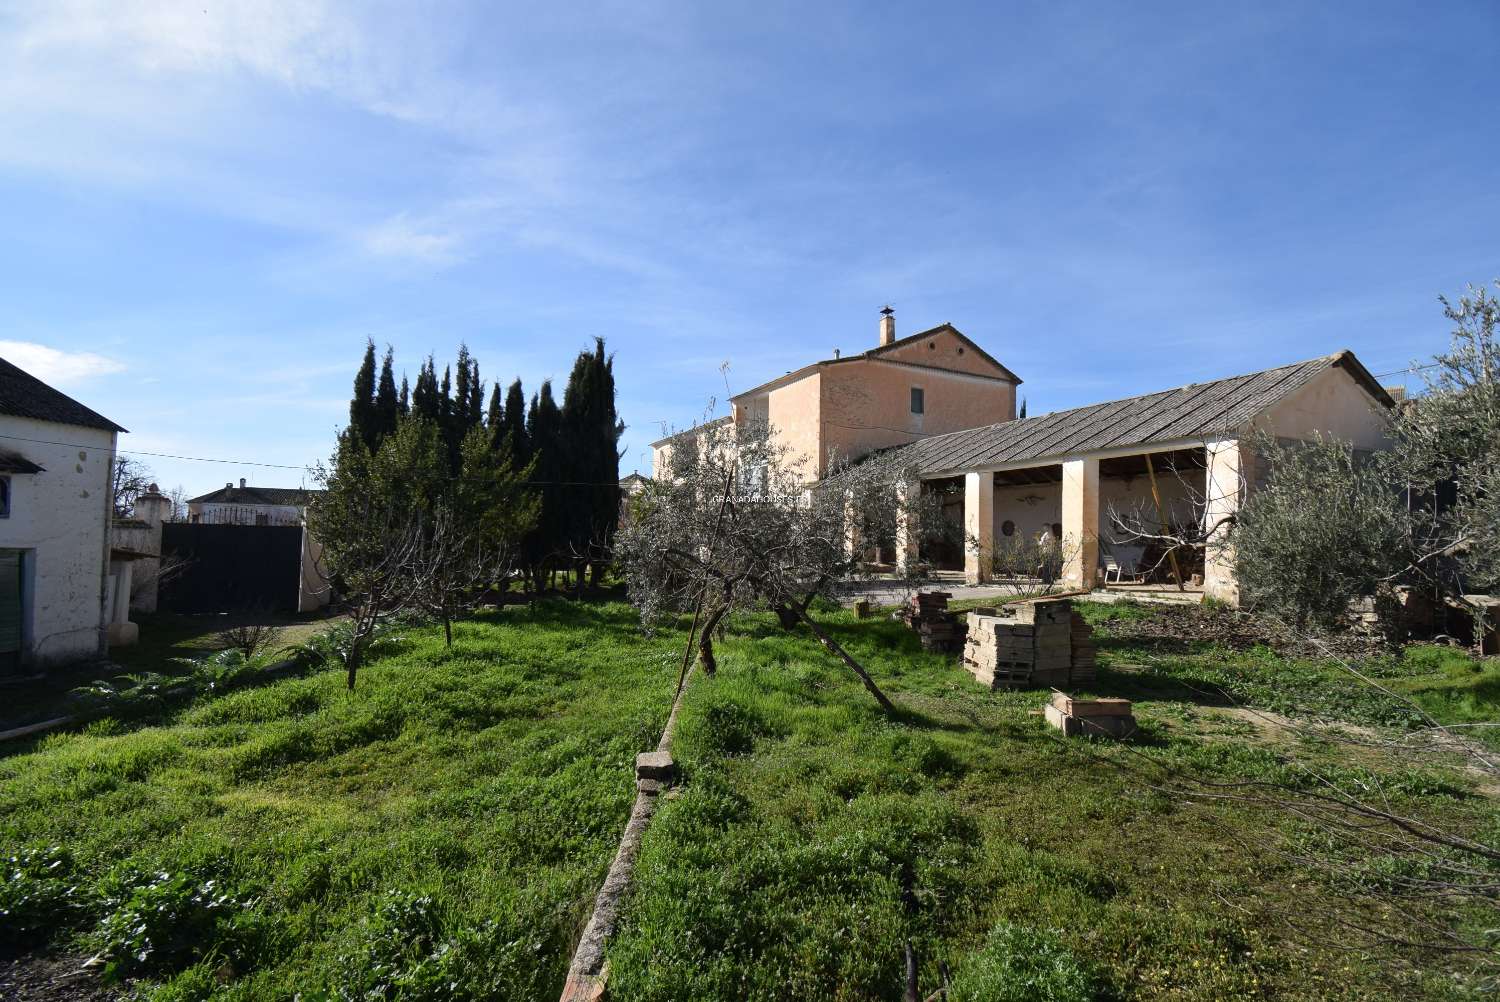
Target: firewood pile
(938,629)
(1023,644)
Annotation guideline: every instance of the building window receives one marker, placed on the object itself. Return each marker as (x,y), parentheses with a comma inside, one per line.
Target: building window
(1007,528)
(4,497)
(1057,531)
(917,401)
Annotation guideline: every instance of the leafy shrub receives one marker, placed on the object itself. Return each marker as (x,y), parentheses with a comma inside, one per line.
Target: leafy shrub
(221,671)
(400,953)
(163,922)
(37,896)
(136,693)
(1017,964)
(334,645)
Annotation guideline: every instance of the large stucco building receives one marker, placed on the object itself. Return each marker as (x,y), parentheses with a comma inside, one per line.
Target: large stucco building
(1176,458)
(57,583)
(899,391)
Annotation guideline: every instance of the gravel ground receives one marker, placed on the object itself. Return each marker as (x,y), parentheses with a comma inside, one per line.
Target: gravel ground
(39,977)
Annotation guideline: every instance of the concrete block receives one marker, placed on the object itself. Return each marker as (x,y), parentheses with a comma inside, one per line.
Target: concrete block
(656,765)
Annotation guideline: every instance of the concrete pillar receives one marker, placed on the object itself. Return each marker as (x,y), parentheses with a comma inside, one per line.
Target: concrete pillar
(1080,522)
(153,507)
(853,541)
(1224,487)
(908,525)
(979,526)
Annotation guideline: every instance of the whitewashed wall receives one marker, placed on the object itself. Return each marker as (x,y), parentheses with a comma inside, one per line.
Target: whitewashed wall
(61,518)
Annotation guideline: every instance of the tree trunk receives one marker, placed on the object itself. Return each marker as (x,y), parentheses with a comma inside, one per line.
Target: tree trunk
(356,649)
(843,655)
(787,617)
(706,642)
(448,627)
(911,975)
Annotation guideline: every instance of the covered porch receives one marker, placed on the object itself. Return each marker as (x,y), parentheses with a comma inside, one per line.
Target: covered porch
(1106,518)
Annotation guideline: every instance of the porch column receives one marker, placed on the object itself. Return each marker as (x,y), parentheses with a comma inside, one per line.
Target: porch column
(852,541)
(908,525)
(979,526)
(1080,522)
(1224,488)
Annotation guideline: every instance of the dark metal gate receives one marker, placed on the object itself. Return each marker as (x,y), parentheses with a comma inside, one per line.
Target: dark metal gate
(229,568)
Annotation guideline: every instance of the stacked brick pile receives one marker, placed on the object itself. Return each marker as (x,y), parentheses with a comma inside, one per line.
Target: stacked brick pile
(1091,717)
(1085,654)
(928,614)
(1041,643)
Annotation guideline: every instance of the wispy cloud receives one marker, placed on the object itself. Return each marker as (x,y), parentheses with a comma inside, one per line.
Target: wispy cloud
(404,238)
(55,366)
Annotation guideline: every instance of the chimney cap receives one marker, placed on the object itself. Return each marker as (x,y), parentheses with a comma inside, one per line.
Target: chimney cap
(887,311)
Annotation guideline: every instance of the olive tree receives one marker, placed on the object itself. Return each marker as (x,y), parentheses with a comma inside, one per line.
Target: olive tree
(735,523)
(1448,450)
(1328,527)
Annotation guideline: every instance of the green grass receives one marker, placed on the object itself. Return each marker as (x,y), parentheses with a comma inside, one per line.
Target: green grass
(440,833)
(781,869)
(447,822)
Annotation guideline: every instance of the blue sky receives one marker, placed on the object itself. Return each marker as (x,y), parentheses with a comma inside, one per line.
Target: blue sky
(209,206)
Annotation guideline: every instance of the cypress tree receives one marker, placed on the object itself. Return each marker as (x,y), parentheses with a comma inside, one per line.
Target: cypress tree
(544,432)
(476,395)
(387,404)
(424,396)
(515,424)
(591,431)
(461,416)
(495,418)
(362,405)
(403,402)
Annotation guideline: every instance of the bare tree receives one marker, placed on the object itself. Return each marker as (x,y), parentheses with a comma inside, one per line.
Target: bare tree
(736,524)
(252,637)
(130,479)
(1031,566)
(452,564)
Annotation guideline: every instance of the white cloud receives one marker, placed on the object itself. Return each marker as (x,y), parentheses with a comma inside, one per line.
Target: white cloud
(407,239)
(57,367)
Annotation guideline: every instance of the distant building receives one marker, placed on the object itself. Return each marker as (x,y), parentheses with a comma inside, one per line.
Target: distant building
(244,505)
(902,390)
(59,589)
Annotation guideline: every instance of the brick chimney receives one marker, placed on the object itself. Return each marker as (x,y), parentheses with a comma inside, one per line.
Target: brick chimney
(887,326)
(242,483)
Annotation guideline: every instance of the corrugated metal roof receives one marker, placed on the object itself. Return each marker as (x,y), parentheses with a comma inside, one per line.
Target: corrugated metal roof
(24,395)
(1198,410)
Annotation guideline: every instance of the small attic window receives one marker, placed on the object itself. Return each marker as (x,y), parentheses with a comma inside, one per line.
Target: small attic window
(960,349)
(931,345)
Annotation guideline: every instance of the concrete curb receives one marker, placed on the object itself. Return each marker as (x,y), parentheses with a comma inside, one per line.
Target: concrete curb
(589,971)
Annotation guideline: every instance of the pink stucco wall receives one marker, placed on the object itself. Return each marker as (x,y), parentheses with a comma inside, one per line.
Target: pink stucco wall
(866,405)
(945,351)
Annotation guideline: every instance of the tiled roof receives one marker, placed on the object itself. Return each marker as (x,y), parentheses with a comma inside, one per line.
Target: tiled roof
(878,353)
(255,496)
(1198,410)
(24,395)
